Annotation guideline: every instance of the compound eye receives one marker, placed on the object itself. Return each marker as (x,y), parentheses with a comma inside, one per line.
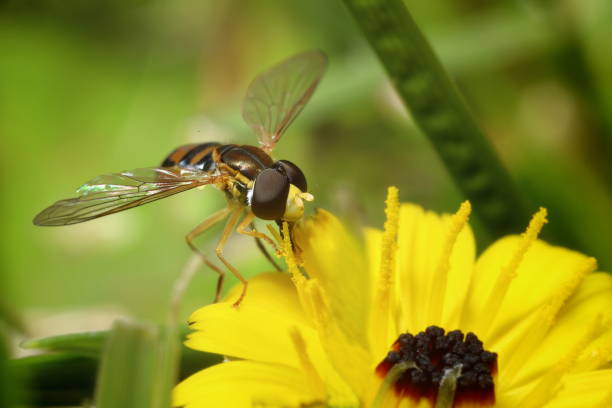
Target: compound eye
(296,177)
(270,194)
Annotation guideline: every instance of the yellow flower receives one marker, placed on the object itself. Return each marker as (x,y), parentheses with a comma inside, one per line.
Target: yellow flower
(338,332)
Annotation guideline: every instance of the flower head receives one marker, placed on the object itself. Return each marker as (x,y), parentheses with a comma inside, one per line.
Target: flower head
(411,318)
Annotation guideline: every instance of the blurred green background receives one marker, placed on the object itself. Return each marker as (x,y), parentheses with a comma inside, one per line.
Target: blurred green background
(103,86)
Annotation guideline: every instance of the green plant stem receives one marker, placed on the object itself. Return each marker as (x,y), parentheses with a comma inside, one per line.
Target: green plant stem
(137,368)
(441,113)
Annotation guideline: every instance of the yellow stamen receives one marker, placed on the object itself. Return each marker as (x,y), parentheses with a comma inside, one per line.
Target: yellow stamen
(439,281)
(508,273)
(550,383)
(303,286)
(275,234)
(296,276)
(383,298)
(309,291)
(552,308)
(545,318)
(316,383)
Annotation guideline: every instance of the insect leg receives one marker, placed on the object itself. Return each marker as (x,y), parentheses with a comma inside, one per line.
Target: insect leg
(265,252)
(227,231)
(253,232)
(182,282)
(248,220)
(207,223)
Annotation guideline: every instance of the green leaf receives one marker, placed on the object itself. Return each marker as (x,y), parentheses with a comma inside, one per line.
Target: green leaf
(60,379)
(89,343)
(67,377)
(138,367)
(441,113)
(92,343)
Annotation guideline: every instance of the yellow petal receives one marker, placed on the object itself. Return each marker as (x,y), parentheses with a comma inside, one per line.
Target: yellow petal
(342,376)
(373,243)
(259,329)
(544,271)
(493,299)
(409,403)
(322,376)
(587,390)
(265,328)
(424,241)
(246,384)
(340,372)
(592,302)
(333,257)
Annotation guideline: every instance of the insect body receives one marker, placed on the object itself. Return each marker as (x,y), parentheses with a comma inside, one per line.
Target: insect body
(280,185)
(255,184)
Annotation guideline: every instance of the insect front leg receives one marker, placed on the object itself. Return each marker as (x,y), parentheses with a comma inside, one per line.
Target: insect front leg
(265,252)
(248,220)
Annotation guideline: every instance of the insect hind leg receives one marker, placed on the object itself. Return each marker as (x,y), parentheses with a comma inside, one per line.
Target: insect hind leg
(227,231)
(200,229)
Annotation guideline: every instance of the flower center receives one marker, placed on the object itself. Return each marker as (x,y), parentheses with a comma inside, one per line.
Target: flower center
(448,369)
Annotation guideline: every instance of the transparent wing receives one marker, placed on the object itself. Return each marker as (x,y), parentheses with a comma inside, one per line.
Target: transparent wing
(277,96)
(111,193)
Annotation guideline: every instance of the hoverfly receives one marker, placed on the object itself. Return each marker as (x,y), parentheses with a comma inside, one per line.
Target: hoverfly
(255,185)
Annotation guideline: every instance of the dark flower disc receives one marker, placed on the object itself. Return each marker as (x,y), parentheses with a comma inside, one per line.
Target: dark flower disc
(431,354)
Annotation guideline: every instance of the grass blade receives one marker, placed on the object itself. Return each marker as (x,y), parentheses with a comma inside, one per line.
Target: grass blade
(441,113)
(138,367)
(87,343)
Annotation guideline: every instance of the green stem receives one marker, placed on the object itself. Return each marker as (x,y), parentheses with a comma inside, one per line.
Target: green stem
(448,387)
(390,379)
(441,113)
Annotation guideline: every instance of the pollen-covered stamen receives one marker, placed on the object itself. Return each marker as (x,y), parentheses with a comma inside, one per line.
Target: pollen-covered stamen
(434,355)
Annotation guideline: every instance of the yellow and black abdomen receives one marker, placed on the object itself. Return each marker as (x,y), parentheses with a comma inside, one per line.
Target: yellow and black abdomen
(196,155)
